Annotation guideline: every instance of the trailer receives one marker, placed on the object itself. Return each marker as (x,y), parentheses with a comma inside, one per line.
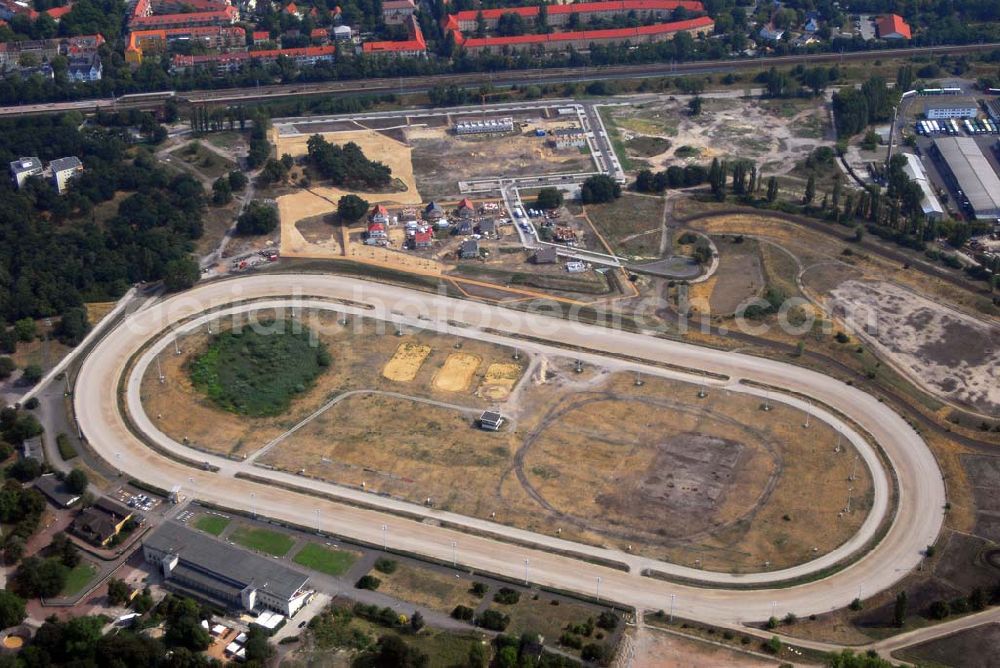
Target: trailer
(952,91)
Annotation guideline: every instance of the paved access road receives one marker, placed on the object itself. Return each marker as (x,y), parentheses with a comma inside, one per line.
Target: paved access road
(920,509)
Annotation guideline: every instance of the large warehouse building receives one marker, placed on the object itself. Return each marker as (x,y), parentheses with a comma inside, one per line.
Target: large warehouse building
(963,164)
(200,566)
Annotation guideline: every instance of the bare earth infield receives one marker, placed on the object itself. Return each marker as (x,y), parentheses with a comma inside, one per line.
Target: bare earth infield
(589,456)
(956,354)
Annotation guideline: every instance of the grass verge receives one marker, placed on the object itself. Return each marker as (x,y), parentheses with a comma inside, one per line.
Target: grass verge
(263,540)
(324,560)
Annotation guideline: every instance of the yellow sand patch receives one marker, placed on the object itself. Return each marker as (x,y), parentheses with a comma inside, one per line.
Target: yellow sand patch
(13,642)
(457,372)
(406,362)
(299,206)
(499,381)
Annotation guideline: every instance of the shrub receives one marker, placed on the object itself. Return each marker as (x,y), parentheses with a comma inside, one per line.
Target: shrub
(571,641)
(493,620)
(31,404)
(369,582)
(463,612)
(790,618)
(938,610)
(507,596)
(387,566)
(856,604)
(479,588)
(772,623)
(66,449)
(608,620)
(596,653)
(773,645)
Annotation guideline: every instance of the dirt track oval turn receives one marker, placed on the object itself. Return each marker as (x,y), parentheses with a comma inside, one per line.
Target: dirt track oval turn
(919,513)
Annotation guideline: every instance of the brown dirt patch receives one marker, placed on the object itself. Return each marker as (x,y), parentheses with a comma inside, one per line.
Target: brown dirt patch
(975,648)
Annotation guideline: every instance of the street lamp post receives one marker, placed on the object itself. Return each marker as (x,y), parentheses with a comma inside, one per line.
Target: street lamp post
(673,597)
(598,588)
(385,537)
(527,562)
(253,505)
(454,554)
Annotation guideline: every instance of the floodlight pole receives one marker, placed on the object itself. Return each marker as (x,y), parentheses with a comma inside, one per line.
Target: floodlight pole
(598,587)
(385,537)
(673,597)
(773,604)
(854,468)
(177,347)
(253,505)
(317,521)
(454,554)
(159,373)
(808,415)
(527,562)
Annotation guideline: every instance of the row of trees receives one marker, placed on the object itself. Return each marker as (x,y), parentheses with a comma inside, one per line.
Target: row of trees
(673,176)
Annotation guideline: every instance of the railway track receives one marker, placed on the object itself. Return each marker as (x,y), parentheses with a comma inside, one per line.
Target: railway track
(507,78)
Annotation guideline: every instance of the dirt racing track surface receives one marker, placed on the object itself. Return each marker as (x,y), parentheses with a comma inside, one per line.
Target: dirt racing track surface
(118,360)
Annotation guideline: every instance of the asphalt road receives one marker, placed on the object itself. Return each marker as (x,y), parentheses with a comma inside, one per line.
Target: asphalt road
(920,508)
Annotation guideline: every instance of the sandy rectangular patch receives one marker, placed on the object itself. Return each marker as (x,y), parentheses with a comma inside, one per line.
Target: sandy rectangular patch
(499,381)
(406,362)
(456,373)
(376,146)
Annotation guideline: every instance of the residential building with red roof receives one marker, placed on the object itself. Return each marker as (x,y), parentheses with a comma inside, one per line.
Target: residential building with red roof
(319,35)
(395,12)
(377,233)
(292,9)
(144,42)
(234,60)
(892,26)
(227,16)
(58,12)
(379,214)
(261,37)
(181,6)
(559,15)
(582,39)
(423,237)
(413,47)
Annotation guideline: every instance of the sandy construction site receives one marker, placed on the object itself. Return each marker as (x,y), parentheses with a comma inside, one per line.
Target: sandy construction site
(320,200)
(956,355)
(774,133)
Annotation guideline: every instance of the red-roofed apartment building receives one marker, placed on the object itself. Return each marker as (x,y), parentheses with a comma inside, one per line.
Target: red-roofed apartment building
(261,37)
(559,15)
(395,12)
(144,42)
(892,26)
(227,16)
(583,39)
(413,47)
(233,61)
